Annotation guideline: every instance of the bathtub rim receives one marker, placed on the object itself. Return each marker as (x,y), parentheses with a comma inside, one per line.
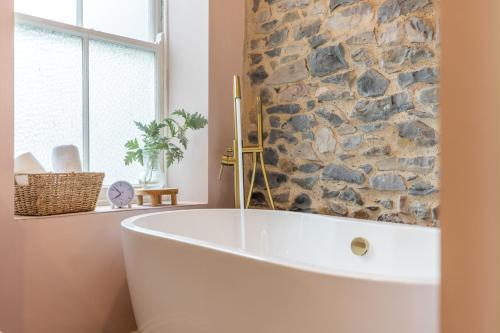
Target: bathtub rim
(129,224)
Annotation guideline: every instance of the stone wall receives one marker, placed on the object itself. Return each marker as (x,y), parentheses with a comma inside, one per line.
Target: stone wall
(350,105)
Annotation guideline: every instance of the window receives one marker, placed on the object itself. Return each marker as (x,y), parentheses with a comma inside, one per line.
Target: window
(84,71)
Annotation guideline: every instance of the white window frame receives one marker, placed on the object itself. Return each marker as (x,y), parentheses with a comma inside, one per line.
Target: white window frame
(158,48)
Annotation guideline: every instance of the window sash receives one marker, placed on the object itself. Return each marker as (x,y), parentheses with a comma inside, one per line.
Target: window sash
(88,34)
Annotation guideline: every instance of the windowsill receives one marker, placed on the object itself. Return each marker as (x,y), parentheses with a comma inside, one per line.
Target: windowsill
(108,210)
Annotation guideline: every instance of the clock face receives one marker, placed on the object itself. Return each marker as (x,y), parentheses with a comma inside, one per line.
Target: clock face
(121,193)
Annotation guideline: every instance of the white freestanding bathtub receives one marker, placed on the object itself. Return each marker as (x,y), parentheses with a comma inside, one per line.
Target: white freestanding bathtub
(203,271)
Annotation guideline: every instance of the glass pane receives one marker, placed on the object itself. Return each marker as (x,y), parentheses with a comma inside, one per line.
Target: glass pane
(129,18)
(56,10)
(122,89)
(48,91)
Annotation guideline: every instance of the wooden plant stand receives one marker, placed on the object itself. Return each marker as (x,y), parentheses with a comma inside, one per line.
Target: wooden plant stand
(156,196)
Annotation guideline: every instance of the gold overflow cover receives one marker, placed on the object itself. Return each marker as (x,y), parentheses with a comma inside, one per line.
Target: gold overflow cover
(360,246)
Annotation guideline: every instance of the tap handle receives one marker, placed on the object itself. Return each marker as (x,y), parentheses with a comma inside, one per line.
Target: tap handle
(221,171)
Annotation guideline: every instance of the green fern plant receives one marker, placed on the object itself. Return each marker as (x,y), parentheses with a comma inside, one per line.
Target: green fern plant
(168,135)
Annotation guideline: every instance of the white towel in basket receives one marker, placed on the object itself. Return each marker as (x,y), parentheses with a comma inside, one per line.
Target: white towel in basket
(66,159)
(26,163)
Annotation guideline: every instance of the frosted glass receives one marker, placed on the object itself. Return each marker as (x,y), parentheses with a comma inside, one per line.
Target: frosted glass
(48,91)
(129,18)
(122,89)
(56,10)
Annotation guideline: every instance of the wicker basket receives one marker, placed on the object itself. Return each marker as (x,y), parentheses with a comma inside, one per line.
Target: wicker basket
(57,193)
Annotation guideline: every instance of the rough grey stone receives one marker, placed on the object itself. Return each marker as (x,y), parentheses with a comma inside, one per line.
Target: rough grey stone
(341,173)
(275,135)
(346,129)
(275,121)
(363,57)
(325,94)
(382,109)
(372,84)
(253,136)
(270,156)
(423,114)
(325,141)
(420,210)
(327,60)
(388,182)
(418,54)
(301,202)
(318,40)
(286,5)
(337,3)
(378,151)
(367,168)
(329,194)
(422,189)
(352,196)
(391,9)
(394,58)
(289,17)
(304,150)
(258,75)
(352,142)
(391,34)
(258,199)
(418,132)
(282,149)
(268,26)
(282,197)
(311,105)
(277,38)
(306,183)
(373,127)
(274,52)
(291,72)
(255,58)
(387,203)
(345,157)
(275,179)
(336,209)
(420,164)
(418,31)
(289,58)
(293,93)
(349,18)
(305,31)
(301,123)
(310,167)
(366,37)
(428,96)
(308,135)
(333,118)
(342,79)
(425,75)
(391,217)
(284,109)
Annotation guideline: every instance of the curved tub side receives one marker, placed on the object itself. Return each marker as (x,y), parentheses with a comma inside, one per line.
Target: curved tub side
(178,287)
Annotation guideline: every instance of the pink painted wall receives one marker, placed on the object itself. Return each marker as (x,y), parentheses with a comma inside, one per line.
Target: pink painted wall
(226,47)
(66,274)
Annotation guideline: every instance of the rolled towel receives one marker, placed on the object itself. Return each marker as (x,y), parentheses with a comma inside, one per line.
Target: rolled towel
(66,159)
(26,163)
